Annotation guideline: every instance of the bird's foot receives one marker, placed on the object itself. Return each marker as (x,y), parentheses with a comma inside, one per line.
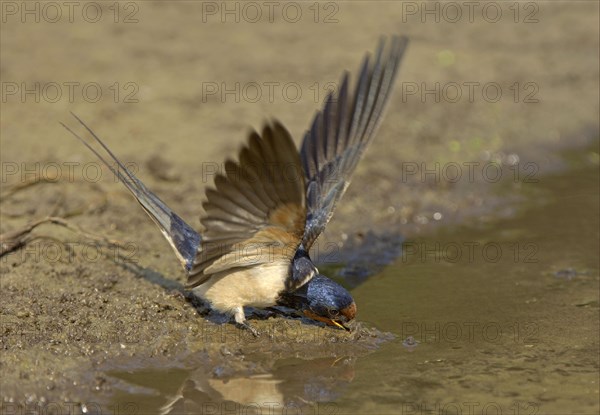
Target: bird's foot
(240,321)
(245,326)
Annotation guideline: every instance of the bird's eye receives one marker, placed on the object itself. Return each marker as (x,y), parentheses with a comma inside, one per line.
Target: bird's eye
(334,313)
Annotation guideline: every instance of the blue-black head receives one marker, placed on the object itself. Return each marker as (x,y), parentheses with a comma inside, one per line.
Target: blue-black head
(324,300)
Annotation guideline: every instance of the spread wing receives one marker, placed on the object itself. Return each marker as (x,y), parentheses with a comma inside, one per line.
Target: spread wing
(342,131)
(256,213)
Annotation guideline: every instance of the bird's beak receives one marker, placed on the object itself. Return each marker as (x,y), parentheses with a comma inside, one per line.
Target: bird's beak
(326,320)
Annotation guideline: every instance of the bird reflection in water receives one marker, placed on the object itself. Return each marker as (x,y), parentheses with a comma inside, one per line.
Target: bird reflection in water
(293,386)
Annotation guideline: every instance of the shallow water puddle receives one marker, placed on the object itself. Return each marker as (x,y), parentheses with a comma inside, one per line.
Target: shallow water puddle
(497,318)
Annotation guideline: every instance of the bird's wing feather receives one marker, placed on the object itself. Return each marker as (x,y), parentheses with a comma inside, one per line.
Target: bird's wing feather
(256,213)
(342,131)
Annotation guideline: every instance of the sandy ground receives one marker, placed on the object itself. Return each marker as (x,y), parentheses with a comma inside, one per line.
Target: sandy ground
(67,314)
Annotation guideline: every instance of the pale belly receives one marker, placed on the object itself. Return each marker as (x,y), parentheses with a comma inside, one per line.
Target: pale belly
(257,286)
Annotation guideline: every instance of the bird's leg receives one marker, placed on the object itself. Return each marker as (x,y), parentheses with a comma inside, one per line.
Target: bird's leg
(240,321)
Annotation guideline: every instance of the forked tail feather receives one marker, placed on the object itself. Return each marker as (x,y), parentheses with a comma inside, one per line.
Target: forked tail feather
(184,240)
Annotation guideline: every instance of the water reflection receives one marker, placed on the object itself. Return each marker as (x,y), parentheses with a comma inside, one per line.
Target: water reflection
(291,386)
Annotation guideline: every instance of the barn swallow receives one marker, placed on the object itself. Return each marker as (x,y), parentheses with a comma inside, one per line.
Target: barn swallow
(269,206)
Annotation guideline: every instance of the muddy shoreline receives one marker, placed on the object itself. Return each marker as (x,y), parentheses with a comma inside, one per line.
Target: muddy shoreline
(68,323)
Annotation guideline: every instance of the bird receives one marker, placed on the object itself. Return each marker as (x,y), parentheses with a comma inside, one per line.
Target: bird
(268,206)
